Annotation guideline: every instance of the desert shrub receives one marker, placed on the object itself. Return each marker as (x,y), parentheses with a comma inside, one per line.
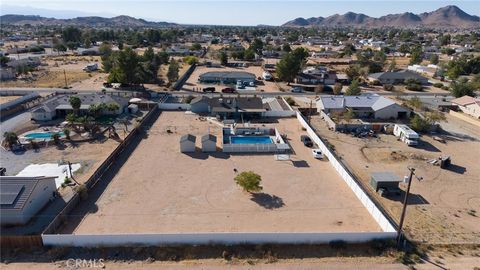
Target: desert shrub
(389,87)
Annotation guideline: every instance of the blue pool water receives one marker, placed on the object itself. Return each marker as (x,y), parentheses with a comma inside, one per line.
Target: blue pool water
(250,140)
(42,135)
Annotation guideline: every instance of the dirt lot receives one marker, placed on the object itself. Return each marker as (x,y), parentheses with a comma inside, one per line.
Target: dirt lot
(445,206)
(5,99)
(159,189)
(52,75)
(264,86)
(89,155)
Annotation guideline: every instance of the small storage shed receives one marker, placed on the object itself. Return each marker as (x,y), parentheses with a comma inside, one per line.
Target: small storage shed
(187,143)
(209,143)
(384,180)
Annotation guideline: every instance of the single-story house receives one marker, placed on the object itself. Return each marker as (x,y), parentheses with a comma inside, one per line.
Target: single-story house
(21,197)
(209,143)
(396,77)
(468,105)
(228,107)
(364,106)
(60,105)
(226,77)
(187,143)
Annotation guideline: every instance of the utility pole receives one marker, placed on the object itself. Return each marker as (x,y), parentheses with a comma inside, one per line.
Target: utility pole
(65,76)
(405,202)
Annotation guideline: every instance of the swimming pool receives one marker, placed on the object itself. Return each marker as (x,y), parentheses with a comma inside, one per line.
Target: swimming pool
(250,140)
(42,135)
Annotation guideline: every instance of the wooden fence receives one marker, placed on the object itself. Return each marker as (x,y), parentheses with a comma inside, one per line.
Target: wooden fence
(21,241)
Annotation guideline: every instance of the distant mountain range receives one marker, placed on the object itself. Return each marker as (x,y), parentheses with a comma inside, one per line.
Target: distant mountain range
(446,17)
(91,21)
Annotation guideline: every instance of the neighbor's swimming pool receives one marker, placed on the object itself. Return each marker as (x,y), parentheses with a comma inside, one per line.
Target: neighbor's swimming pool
(250,140)
(42,135)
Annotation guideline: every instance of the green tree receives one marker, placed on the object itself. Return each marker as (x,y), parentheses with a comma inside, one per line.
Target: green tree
(434,59)
(60,47)
(190,60)
(286,48)
(126,68)
(416,56)
(71,34)
(66,131)
(249,55)
(462,88)
(393,65)
(288,67)
(257,46)
(337,89)
(76,103)
(196,47)
(419,124)
(249,181)
(11,138)
(353,89)
(223,58)
(172,73)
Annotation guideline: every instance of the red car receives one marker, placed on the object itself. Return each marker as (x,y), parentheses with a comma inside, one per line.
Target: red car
(228,90)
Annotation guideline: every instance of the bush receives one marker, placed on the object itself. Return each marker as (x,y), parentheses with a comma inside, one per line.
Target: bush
(413,85)
(67,180)
(438,85)
(419,124)
(389,87)
(290,101)
(249,181)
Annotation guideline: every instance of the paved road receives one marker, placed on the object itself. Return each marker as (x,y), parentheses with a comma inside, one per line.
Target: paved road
(263,94)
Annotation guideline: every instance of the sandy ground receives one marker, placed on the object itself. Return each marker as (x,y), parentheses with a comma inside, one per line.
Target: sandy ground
(304,264)
(5,99)
(445,206)
(57,68)
(89,155)
(263,86)
(159,189)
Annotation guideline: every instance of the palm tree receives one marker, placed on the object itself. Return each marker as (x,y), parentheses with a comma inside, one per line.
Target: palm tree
(11,138)
(76,103)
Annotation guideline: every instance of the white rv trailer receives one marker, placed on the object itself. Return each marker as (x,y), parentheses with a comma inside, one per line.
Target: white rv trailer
(406,134)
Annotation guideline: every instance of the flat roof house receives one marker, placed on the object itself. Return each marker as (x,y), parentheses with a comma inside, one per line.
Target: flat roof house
(468,105)
(226,77)
(396,77)
(60,105)
(228,108)
(187,143)
(364,106)
(21,197)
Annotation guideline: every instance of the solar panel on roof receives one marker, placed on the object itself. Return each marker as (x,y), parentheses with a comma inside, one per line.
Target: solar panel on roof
(9,193)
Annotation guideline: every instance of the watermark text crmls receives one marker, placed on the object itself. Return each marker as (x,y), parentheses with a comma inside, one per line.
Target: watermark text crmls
(85,263)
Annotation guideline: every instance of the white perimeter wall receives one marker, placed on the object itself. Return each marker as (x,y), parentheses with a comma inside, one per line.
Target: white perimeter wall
(364,199)
(174,106)
(207,238)
(91,240)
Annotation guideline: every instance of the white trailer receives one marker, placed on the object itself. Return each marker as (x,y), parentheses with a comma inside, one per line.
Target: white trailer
(406,134)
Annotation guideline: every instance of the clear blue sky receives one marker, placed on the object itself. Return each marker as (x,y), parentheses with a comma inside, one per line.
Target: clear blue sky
(227,12)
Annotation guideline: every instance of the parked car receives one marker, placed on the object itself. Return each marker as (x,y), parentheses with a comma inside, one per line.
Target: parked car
(296,90)
(306,141)
(317,153)
(228,90)
(209,89)
(251,84)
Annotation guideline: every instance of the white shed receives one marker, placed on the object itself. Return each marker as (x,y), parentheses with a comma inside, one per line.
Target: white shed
(187,143)
(209,143)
